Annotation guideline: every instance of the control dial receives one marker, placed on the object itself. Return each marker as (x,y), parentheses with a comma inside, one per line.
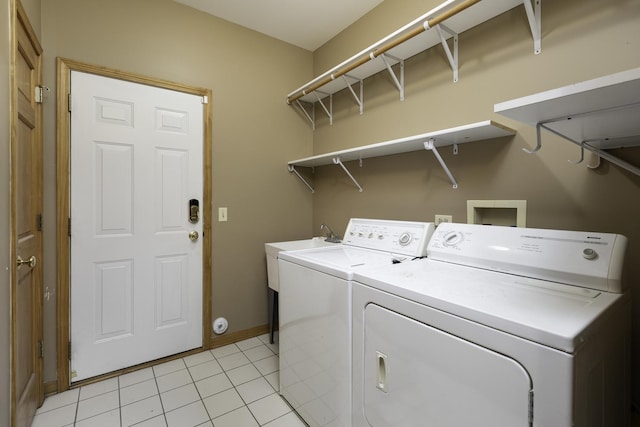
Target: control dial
(589,254)
(452,238)
(405,238)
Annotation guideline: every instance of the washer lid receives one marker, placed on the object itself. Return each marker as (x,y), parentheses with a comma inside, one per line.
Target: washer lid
(548,313)
(340,260)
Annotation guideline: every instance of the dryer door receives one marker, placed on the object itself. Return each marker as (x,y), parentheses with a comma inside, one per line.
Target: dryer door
(416,375)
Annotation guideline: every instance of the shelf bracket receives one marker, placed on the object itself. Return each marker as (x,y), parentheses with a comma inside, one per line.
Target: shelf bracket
(292,169)
(534,16)
(359,99)
(429,145)
(602,154)
(452,57)
(538,141)
(581,159)
(338,161)
(597,164)
(329,111)
(311,117)
(399,83)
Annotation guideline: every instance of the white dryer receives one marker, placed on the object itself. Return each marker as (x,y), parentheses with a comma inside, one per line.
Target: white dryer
(315,313)
(498,327)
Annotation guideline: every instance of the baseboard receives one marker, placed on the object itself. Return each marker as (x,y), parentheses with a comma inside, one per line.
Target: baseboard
(230,338)
(50,387)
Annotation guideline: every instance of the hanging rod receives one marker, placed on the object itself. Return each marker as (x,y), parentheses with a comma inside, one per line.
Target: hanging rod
(384,48)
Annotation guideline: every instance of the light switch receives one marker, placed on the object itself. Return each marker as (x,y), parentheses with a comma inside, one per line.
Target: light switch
(222,214)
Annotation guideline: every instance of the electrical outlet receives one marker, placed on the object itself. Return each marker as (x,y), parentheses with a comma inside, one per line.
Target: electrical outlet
(222,214)
(443,218)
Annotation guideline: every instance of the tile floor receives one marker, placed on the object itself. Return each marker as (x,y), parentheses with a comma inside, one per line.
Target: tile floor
(231,386)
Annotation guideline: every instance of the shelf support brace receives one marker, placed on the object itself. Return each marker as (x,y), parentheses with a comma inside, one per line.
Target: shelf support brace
(338,161)
(292,169)
(597,165)
(399,83)
(581,159)
(538,141)
(329,111)
(453,58)
(600,153)
(535,23)
(429,145)
(311,117)
(359,99)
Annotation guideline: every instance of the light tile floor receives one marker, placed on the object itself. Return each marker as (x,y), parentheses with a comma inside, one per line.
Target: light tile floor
(231,386)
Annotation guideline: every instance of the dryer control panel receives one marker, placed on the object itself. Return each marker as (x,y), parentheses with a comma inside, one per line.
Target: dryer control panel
(399,237)
(585,259)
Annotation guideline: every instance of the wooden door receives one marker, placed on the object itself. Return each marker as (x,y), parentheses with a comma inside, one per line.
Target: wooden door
(26,220)
(136,266)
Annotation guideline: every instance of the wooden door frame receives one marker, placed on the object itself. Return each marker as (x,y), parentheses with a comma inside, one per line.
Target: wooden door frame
(64,67)
(19,17)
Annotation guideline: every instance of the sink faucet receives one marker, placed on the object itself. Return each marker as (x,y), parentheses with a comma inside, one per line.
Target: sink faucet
(331,236)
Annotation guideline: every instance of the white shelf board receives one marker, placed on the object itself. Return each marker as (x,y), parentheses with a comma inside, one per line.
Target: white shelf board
(604,112)
(468,133)
(469,18)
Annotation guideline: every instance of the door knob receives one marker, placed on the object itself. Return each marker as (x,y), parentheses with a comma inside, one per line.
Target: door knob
(193,236)
(31,262)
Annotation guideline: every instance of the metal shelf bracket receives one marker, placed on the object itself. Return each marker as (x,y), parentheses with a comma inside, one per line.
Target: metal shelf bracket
(310,116)
(338,161)
(538,141)
(292,169)
(534,16)
(399,83)
(584,145)
(429,145)
(453,58)
(359,99)
(329,111)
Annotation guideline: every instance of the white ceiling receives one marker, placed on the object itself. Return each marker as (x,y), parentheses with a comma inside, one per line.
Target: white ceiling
(304,23)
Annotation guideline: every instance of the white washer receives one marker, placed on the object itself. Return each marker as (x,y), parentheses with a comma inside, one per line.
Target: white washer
(315,313)
(498,327)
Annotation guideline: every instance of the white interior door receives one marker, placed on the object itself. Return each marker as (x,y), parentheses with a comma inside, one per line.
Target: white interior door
(136,273)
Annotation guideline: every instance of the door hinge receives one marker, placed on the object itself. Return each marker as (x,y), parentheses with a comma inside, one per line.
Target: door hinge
(39,222)
(69,350)
(69,226)
(530,407)
(40,350)
(40,93)
(205,99)
(69,102)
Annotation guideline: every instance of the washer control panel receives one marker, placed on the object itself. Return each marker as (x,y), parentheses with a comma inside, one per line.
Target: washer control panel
(592,260)
(399,237)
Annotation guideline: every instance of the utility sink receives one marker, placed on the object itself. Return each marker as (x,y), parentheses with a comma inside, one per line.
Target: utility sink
(272,250)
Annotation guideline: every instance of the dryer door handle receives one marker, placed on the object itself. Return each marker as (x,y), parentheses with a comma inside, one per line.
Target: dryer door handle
(381,375)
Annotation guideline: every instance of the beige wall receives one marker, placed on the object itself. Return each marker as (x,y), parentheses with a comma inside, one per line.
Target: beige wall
(581,40)
(254,131)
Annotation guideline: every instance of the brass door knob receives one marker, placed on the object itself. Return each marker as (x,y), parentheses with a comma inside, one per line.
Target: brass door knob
(193,236)
(31,262)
